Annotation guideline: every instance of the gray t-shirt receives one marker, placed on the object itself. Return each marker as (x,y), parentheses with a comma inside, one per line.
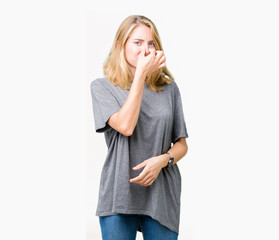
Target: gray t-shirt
(160,123)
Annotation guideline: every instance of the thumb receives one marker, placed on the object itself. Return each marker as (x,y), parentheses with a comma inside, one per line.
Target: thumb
(141,165)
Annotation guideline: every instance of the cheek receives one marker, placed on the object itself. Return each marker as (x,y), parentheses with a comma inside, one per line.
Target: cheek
(132,53)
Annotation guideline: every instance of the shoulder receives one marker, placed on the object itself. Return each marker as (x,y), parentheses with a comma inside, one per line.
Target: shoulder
(173,86)
(102,84)
(174,91)
(99,82)
(99,87)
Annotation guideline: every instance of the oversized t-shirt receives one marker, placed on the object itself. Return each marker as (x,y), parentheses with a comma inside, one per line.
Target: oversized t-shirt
(160,124)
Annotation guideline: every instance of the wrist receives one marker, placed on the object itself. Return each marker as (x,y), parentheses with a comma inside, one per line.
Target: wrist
(165,160)
(140,73)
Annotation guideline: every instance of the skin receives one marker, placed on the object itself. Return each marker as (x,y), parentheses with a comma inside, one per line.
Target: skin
(141,40)
(154,165)
(143,59)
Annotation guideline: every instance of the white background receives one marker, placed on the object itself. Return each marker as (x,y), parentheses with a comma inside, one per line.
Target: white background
(224,56)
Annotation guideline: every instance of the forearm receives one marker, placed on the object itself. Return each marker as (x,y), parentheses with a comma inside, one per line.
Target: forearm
(129,113)
(125,120)
(178,151)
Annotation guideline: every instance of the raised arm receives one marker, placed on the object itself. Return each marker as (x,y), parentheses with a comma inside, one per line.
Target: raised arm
(125,120)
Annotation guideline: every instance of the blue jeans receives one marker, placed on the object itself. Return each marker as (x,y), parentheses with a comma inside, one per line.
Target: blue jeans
(125,226)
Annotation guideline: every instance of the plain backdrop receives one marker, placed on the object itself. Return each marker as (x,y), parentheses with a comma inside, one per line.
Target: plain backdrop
(224,57)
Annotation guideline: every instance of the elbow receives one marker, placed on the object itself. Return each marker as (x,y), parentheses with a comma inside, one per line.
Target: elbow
(120,125)
(127,128)
(126,131)
(185,148)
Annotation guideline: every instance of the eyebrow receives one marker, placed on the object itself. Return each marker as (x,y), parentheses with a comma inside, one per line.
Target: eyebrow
(143,40)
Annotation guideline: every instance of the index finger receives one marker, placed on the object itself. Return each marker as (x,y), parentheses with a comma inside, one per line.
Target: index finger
(139,177)
(159,53)
(152,51)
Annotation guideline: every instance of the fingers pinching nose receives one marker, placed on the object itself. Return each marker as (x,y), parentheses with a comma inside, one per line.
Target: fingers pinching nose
(152,51)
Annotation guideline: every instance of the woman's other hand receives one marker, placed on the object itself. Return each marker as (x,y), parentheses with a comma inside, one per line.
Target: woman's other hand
(152,168)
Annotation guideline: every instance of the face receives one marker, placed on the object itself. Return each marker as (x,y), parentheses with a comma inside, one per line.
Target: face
(140,38)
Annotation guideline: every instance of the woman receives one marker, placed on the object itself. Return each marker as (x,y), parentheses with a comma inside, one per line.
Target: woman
(138,107)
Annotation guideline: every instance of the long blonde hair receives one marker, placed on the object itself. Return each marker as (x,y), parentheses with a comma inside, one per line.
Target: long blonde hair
(116,67)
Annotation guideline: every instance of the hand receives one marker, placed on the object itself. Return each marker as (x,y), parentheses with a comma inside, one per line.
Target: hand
(152,168)
(152,62)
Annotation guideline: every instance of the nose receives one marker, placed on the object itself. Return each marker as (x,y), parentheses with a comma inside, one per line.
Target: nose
(146,50)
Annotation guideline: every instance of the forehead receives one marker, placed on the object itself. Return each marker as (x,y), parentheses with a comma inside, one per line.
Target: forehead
(141,32)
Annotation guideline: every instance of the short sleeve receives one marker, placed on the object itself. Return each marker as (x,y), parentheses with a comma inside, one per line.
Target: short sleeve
(179,126)
(104,105)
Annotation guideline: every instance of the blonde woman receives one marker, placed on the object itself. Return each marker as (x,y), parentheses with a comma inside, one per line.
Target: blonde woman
(138,107)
